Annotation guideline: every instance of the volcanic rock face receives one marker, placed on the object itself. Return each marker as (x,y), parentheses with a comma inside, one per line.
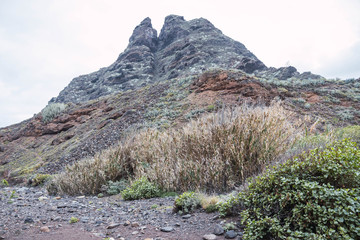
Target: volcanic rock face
(182,48)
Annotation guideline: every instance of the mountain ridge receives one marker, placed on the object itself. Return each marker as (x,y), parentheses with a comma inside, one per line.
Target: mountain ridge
(182,48)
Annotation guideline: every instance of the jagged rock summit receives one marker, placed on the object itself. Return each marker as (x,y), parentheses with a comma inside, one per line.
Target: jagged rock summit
(182,48)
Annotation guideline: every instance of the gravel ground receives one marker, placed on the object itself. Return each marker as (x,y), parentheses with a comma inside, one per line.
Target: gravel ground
(30,213)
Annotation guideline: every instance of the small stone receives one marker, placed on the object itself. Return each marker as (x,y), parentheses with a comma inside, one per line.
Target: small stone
(126,223)
(45,229)
(135,232)
(42,198)
(57,198)
(135,224)
(80,197)
(113,225)
(148,239)
(219,230)
(187,216)
(57,218)
(84,219)
(167,229)
(230,234)
(209,237)
(96,234)
(28,220)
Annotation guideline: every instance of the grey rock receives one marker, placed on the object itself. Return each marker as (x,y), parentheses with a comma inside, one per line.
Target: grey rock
(218,230)
(113,225)
(209,237)
(187,216)
(230,234)
(29,220)
(167,229)
(84,219)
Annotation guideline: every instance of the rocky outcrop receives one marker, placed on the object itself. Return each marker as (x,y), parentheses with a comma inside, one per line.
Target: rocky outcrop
(284,73)
(182,48)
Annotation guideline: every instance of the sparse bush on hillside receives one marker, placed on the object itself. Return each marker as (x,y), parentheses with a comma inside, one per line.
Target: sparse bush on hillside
(314,196)
(51,111)
(214,153)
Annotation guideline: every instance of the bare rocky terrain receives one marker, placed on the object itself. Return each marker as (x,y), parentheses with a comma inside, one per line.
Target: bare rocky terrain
(30,213)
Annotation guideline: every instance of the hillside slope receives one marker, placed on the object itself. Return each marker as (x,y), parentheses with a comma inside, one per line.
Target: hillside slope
(163,81)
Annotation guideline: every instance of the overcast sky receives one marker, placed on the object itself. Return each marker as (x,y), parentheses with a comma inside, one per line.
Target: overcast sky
(44,44)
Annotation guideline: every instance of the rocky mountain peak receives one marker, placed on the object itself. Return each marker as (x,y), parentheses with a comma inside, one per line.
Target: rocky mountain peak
(144,34)
(183,48)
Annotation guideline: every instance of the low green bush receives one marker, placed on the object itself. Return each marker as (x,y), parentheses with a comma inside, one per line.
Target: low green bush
(116,187)
(4,183)
(39,179)
(232,205)
(187,202)
(351,132)
(141,189)
(313,196)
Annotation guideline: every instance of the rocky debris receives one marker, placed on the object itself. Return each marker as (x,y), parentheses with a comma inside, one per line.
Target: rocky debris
(108,217)
(111,226)
(28,220)
(167,229)
(45,229)
(284,73)
(231,234)
(209,237)
(218,230)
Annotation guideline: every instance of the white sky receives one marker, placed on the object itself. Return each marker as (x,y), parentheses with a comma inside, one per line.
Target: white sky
(44,44)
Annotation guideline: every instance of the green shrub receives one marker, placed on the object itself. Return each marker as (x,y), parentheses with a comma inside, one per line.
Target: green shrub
(351,132)
(51,111)
(187,202)
(141,189)
(116,187)
(39,179)
(314,196)
(73,220)
(4,183)
(231,205)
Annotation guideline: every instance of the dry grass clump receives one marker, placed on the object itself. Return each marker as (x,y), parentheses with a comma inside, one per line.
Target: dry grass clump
(89,175)
(217,152)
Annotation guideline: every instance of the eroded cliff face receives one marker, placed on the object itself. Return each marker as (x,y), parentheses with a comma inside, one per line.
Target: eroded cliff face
(183,48)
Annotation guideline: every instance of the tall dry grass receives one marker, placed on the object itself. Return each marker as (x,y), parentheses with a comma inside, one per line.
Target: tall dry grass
(217,152)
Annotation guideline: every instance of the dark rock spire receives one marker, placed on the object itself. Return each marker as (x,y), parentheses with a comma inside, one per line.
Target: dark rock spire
(144,34)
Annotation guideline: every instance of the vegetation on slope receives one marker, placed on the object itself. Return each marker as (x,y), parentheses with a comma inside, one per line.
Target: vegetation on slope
(313,196)
(214,153)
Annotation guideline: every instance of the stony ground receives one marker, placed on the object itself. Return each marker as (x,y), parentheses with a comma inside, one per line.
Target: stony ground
(29,213)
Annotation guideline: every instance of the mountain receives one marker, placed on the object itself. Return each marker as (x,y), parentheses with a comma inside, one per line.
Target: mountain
(182,48)
(163,81)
